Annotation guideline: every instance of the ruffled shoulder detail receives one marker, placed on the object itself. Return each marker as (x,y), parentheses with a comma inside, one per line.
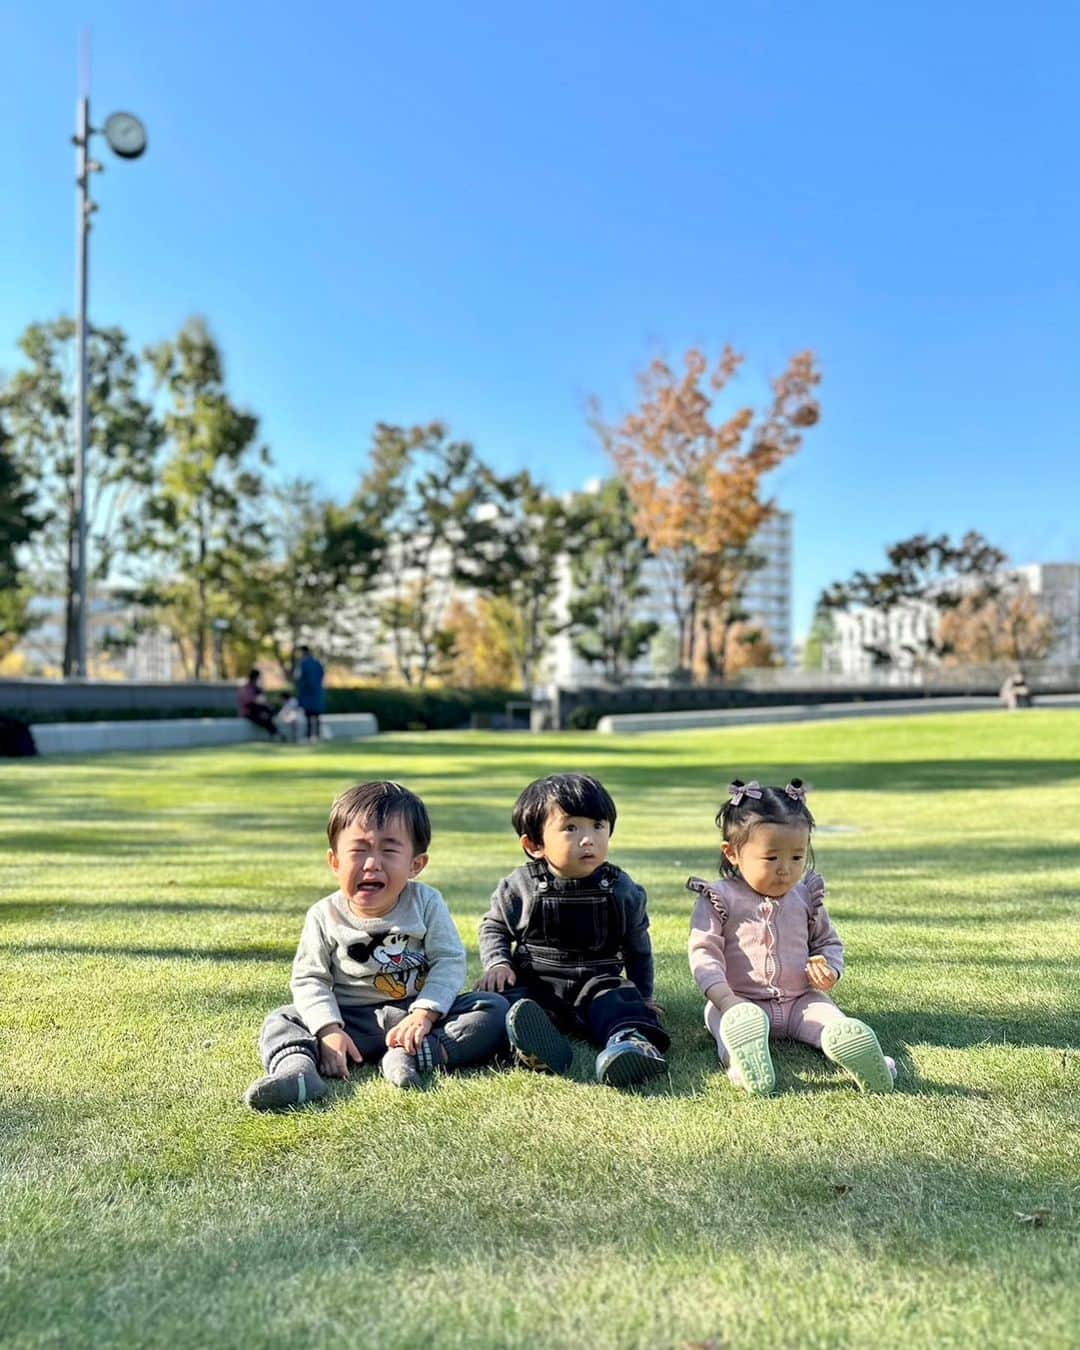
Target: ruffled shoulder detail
(814,886)
(711,890)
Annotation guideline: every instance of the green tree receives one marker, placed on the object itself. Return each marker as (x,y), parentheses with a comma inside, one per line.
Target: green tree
(17,527)
(199,537)
(124,435)
(607,556)
(321,562)
(822,632)
(517,547)
(425,489)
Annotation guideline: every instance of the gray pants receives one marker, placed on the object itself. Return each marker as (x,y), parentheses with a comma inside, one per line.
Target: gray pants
(472,1031)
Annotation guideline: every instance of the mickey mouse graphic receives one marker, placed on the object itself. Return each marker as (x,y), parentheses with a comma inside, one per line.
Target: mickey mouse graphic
(397,965)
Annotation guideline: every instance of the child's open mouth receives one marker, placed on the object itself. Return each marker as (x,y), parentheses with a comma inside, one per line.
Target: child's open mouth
(369,887)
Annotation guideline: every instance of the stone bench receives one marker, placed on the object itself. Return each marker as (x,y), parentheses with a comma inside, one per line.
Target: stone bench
(167,733)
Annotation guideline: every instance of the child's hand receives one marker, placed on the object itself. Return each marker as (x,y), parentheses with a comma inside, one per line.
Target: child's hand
(336,1049)
(497,979)
(410,1031)
(820,974)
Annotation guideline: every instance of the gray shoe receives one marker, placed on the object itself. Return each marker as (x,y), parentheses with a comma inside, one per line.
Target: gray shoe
(397,1066)
(278,1092)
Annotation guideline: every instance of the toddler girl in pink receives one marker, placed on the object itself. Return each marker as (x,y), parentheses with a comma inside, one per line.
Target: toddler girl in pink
(763,949)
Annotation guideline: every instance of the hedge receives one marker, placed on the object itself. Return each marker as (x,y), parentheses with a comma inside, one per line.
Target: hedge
(395,709)
(419,709)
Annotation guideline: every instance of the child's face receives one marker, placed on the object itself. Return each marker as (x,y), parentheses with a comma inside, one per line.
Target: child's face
(373,865)
(573,846)
(773,858)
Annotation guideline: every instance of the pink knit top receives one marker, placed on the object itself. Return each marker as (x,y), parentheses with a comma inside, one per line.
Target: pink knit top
(757,947)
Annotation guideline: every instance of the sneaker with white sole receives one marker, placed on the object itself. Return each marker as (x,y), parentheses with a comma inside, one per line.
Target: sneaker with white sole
(853,1045)
(628,1058)
(744,1030)
(536,1042)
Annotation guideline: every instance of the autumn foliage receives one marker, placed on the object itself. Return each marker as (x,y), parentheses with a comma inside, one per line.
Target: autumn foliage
(749,647)
(1008,626)
(695,484)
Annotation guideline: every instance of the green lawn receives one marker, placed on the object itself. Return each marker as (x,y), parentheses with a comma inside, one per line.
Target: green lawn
(149,907)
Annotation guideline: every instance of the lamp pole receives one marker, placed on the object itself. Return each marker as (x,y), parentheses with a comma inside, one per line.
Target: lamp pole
(83,209)
(127,139)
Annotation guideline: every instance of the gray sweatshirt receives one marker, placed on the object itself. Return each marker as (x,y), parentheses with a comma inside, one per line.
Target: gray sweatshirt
(347,961)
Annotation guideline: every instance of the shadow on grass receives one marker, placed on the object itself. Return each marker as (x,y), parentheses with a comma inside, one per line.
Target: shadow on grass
(965,860)
(283,951)
(27,911)
(898,1029)
(511,1240)
(927,775)
(905,1027)
(229,834)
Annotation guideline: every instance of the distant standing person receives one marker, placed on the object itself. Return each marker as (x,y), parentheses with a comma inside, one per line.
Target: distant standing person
(309,691)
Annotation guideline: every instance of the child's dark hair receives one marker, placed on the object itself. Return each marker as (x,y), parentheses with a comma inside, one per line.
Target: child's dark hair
(750,804)
(576,793)
(376,803)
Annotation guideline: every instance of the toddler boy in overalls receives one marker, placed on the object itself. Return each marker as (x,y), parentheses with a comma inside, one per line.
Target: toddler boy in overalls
(566,940)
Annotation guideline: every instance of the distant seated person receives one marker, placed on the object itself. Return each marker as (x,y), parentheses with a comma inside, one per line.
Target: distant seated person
(1015,692)
(253,705)
(309,691)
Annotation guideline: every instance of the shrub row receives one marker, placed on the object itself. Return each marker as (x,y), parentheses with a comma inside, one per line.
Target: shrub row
(418,709)
(396,709)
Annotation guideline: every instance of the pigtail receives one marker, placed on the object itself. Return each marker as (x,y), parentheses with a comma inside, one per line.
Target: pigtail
(750,803)
(733,792)
(723,816)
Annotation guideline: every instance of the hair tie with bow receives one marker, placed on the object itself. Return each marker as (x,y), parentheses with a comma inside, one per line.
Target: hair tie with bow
(737,791)
(796,792)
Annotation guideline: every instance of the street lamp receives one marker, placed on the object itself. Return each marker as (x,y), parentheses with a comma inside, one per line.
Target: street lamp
(127,138)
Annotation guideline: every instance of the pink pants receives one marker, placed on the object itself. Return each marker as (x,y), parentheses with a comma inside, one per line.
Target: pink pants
(799,1019)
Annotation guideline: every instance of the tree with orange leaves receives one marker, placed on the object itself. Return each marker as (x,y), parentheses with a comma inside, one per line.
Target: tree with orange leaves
(749,647)
(695,484)
(1005,626)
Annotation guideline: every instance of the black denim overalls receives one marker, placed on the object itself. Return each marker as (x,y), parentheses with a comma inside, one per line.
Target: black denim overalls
(570,959)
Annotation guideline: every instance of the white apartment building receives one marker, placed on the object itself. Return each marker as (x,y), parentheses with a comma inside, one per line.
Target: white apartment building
(767,599)
(152,656)
(1056,588)
(859,633)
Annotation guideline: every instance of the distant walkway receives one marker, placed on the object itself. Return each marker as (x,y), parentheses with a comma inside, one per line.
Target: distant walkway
(817,712)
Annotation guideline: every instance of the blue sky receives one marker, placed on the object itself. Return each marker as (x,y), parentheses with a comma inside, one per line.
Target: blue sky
(487,212)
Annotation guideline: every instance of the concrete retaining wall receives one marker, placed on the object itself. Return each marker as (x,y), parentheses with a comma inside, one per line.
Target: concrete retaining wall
(88,738)
(810,712)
